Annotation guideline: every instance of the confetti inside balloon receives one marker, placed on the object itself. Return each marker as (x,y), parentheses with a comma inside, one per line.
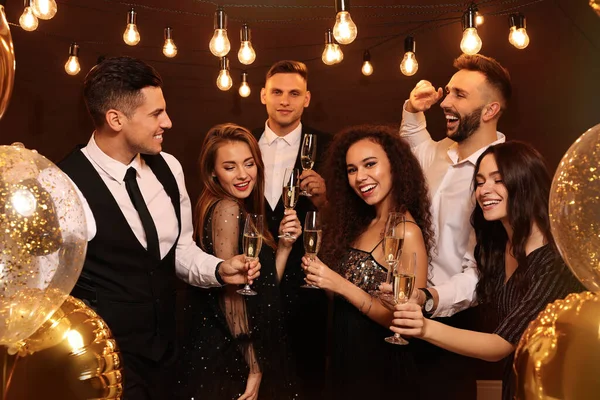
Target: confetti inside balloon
(575,208)
(43,238)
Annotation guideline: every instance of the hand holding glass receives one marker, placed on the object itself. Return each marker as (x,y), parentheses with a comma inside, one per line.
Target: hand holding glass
(308,154)
(312,238)
(252,242)
(404,283)
(290,193)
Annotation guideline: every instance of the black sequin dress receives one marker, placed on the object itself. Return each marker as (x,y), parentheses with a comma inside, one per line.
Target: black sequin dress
(229,335)
(364,366)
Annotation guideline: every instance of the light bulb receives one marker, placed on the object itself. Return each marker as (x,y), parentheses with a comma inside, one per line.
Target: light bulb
(471,42)
(344,30)
(332,54)
(246,55)
(72,66)
(409,64)
(28,20)
(131,36)
(169,48)
(244,89)
(224,81)
(479,20)
(219,44)
(518,37)
(44,9)
(367,68)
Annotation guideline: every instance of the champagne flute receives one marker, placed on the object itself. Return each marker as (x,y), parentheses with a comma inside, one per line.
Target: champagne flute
(393,240)
(404,283)
(308,154)
(312,239)
(252,242)
(291,191)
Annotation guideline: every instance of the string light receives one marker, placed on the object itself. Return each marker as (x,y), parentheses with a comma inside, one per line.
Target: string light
(169,48)
(28,20)
(219,44)
(44,9)
(367,67)
(244,90)
(224,81)
(518,36)
(332,54)
(409,64)
(131,36)
(72,66)
(471,42)
(246,55)
(344,30)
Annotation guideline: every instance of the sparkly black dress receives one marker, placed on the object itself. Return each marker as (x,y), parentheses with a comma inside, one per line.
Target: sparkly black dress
(364,366)
(228,335)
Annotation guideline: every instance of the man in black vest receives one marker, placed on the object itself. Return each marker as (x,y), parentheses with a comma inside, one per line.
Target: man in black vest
(285,96)
(140,210)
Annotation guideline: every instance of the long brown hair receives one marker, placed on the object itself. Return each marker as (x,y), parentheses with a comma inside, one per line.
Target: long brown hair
(348,215)
(212,192)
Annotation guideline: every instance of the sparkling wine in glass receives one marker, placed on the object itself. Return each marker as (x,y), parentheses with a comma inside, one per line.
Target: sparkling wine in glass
(312,238)
(290,193)
(308,154)
(252,242)
(404,284)
(393,240)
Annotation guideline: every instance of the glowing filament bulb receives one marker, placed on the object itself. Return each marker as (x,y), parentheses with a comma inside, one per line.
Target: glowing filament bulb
(224,81)
(518,36)
(479,20)
(409,64)
(131,36)
(72,66)
(471,42)
(344,30)
(332,54)
(367,67)
(44,9)
(246,55)
(219,44)
(244,90)
(169,48)
(28,20)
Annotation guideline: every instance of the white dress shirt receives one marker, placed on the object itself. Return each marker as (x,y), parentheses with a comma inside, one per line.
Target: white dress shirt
(192,265)
(450,189)
(278,153)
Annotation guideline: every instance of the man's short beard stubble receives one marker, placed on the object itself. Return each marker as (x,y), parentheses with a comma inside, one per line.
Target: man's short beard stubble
(467,125)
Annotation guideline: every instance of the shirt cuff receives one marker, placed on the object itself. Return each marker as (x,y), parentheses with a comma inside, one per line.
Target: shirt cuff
(413,119)
(447,304)
(218,275)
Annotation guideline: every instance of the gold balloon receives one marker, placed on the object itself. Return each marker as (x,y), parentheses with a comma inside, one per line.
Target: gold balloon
(73,356)
(43,238)
(575,208)
(558,353)
(7,63)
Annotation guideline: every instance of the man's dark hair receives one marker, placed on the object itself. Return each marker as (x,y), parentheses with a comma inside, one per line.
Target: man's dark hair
(495,74)
(288,67)
(116,83)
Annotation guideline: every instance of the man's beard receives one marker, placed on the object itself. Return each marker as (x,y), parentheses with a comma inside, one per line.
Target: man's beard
(467,125)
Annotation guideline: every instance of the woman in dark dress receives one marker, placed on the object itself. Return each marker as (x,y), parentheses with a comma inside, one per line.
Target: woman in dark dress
(371,172)
(520,270)
(234,344)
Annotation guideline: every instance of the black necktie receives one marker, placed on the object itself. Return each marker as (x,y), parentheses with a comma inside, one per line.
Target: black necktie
(140,205)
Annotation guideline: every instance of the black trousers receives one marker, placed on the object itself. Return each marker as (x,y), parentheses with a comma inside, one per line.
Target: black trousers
(146,379)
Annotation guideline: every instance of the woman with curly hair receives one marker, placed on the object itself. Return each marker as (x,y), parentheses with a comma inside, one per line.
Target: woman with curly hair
(234,344)
(371,172)
(520,270)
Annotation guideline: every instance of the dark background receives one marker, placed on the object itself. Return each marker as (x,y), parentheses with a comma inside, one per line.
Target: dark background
(556,79)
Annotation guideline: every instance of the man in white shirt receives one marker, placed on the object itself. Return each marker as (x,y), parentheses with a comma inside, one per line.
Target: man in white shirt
(285,96)
(139,208)
(476,97)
